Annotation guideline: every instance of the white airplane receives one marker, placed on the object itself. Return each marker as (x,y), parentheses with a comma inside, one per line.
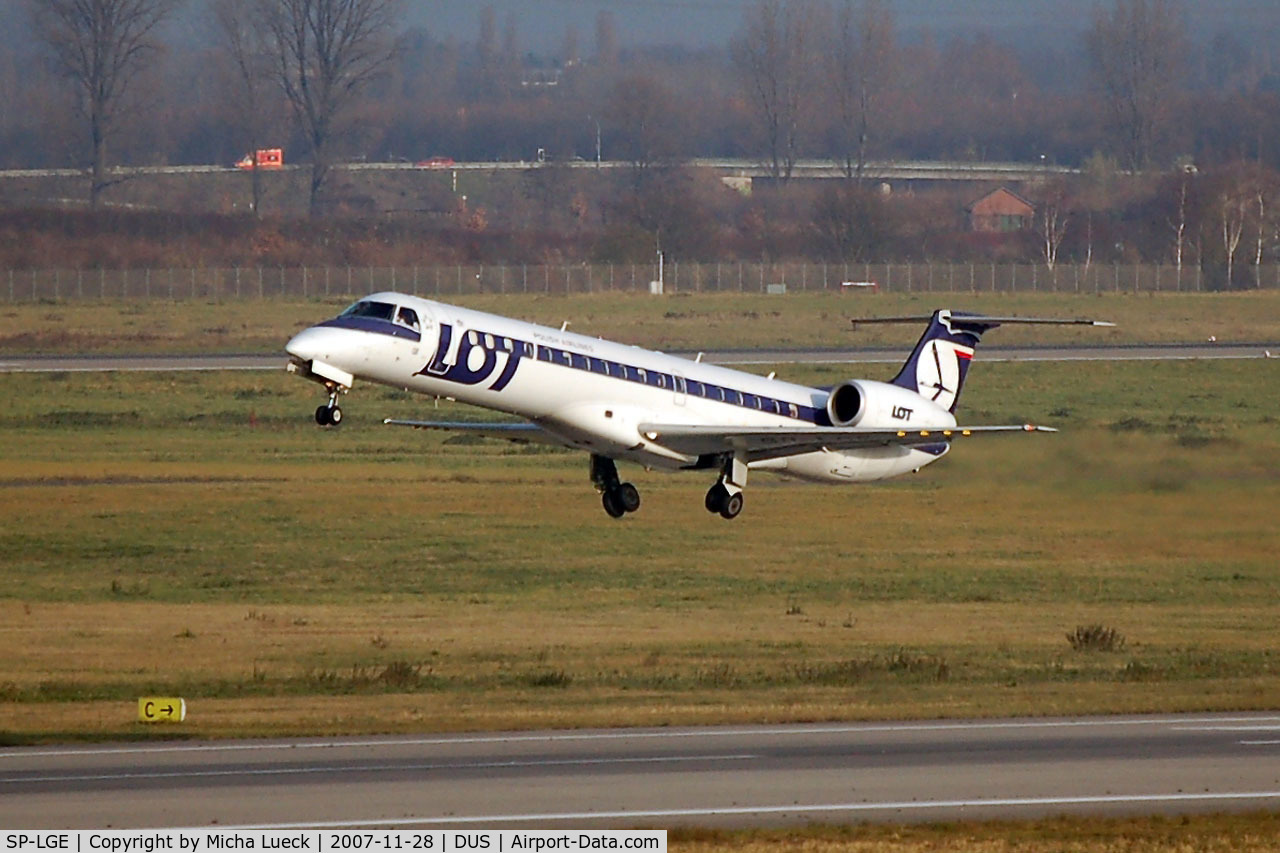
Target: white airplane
(621,402)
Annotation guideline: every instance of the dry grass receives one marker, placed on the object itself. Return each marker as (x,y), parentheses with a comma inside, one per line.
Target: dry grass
(197,534)
(1255,833)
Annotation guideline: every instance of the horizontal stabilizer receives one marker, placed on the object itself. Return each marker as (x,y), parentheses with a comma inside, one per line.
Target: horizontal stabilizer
(985,320)
(774,442)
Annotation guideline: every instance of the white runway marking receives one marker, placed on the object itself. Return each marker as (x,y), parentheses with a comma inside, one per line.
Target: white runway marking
(639,814)
(770,731)
(373,768)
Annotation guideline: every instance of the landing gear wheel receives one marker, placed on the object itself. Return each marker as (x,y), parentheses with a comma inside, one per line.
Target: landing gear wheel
(328,415)
(628,497)
(612,504)
(716,497)
(732,506)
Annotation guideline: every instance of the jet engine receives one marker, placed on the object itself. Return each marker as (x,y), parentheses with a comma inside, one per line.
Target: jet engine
(847,404)
(878,405)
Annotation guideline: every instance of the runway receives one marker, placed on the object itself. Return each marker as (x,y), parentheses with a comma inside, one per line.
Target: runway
(1136,352)
(721,776)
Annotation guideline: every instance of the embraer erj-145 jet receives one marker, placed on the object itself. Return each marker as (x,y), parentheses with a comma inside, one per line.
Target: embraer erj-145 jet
(617,401)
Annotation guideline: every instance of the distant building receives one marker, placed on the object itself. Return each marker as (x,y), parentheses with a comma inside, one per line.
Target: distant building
(999,211)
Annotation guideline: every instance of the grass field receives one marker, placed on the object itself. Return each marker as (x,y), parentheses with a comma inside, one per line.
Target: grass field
(197,534)
(1204,834)
(683,322)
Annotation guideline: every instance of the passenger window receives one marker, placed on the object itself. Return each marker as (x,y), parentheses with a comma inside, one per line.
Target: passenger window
(792,410)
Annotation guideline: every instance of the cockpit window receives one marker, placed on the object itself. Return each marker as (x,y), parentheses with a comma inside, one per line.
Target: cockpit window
(365,308)
(408,317)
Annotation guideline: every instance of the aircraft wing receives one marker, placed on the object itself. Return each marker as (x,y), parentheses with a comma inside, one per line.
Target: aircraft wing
(773,442)
(520,433)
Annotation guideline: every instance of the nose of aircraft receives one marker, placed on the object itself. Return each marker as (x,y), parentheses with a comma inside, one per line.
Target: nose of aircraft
(311,344)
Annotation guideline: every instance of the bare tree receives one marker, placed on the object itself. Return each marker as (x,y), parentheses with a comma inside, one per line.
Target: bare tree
(325,52)
(640,110)
(249,89)
(606,39)
(860,58)
(100,46)
(1136,50)
(1052,218)
(1263,223)
(1234,208)
(775,57)
(1179,225)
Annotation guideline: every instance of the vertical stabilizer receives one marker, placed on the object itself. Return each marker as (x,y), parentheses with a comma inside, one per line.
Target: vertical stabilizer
(939,364)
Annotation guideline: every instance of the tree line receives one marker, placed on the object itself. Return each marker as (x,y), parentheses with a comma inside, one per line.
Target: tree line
(1179,135)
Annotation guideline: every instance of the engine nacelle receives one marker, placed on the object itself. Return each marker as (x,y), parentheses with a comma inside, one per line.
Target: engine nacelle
(879,405)
(847,404)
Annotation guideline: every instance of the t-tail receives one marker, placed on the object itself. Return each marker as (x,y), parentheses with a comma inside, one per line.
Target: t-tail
(938,365)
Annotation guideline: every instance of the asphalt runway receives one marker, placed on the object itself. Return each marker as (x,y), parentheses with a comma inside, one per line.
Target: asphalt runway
(722,776)
(1158,352)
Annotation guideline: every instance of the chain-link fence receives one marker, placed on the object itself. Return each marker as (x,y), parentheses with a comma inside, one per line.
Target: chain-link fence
(321,282)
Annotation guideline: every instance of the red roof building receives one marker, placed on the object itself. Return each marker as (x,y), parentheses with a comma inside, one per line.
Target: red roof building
(999,211)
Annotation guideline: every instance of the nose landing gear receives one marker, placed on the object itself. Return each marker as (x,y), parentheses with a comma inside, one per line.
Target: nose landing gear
(330,414)
(617,497)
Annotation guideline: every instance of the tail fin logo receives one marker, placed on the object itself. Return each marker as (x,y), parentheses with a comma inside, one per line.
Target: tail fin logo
(939,371)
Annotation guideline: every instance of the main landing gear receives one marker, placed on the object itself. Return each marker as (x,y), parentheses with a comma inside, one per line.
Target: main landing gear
(330,414)
(725,497)
(618,498)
